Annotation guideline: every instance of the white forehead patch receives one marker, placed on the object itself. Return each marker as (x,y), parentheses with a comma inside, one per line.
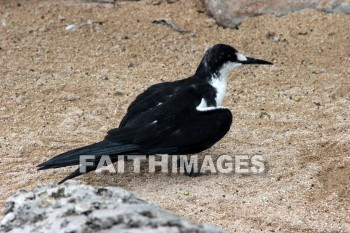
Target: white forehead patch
(241,57)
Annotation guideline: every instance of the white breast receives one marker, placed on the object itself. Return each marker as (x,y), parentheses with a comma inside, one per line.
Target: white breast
(220,87)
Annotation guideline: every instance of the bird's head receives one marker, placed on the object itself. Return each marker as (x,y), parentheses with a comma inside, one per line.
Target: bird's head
(223,58)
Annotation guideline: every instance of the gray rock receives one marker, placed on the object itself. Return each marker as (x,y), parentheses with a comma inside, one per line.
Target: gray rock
(230,13)
(76,207)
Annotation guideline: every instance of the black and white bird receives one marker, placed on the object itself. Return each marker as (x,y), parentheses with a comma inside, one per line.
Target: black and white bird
(181,117)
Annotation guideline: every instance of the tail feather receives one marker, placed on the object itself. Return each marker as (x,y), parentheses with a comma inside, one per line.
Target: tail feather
(72,175)
(77,172)
(88,169)
(72,157)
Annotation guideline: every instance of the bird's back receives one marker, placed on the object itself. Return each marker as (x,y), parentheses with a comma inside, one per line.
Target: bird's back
(155,96)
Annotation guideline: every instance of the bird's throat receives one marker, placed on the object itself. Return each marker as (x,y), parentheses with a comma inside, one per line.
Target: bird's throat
(220,84)
(219,80)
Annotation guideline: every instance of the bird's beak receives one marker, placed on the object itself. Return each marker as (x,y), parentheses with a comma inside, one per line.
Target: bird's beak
(254,61)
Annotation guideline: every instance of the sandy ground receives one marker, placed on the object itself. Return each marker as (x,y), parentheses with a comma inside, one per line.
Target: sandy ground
(63,89)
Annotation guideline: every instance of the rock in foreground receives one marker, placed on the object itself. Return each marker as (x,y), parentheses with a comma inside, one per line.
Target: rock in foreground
(76,207)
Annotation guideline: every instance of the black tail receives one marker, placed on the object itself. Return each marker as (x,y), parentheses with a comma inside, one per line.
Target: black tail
(72,157)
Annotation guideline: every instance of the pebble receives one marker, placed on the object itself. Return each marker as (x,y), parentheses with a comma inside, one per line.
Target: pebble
(72,97)
(70,27)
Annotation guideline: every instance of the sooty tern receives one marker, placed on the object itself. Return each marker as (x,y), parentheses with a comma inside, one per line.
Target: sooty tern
(181,117)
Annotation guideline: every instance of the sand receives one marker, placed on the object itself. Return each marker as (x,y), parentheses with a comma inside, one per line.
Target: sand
(61,89)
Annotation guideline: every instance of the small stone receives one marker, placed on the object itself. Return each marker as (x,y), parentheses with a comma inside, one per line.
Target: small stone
(106,1)
(72,97)
(61,18)
(43,29)
(156,2)
(70,27)
(272,36)
(118,93)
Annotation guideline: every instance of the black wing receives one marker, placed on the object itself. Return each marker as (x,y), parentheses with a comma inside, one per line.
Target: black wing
(149,99)
(176,126)
(198,132)
(155,96)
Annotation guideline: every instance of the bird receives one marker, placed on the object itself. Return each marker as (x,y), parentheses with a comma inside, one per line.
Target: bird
(173,118)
